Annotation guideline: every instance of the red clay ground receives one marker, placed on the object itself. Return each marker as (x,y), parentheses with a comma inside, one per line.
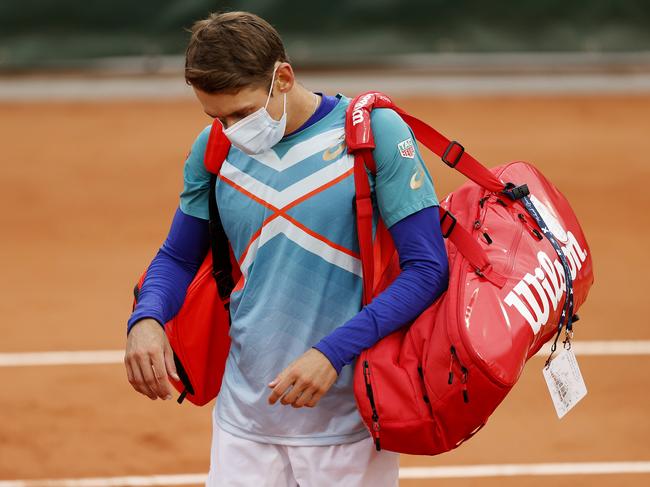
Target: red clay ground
(89,189)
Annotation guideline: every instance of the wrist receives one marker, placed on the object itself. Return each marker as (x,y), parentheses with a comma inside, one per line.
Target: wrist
(134,320)
(330,356)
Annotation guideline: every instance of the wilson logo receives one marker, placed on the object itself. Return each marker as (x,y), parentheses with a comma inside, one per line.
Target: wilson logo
(542,289)
(357,112)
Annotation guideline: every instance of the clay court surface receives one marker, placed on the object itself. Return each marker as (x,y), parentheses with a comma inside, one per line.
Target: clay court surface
(88,192)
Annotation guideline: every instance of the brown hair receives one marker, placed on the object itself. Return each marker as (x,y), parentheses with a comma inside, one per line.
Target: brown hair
(228,51)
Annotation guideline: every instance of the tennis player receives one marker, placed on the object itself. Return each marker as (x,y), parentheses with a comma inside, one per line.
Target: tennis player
(286,413)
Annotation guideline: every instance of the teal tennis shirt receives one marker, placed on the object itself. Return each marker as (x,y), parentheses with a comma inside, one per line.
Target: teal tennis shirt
(289,215)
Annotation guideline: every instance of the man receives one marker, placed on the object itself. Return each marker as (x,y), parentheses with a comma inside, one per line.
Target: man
(286,200)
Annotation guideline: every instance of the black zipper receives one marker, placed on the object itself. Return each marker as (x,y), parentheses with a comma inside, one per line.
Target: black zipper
(463,369)
(371,397)
(530,227)
(425,397)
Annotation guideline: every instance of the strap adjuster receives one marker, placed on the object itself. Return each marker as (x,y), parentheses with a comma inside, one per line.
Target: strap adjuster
(448,150)
(451,225)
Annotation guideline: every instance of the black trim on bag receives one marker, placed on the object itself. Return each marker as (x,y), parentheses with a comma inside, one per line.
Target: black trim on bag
(371,398)
(182,374)
(221,264)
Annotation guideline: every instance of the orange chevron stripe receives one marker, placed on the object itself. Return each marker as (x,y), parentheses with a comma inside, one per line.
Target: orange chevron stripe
(323,238)
(283,212)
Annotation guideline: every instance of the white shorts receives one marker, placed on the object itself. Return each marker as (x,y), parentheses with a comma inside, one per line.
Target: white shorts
(236,461)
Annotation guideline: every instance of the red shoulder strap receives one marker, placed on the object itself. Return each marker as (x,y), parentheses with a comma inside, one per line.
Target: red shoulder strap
(217,149)
(359,136)
(360,142)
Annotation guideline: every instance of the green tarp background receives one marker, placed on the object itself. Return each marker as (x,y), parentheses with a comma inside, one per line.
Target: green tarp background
(37,33)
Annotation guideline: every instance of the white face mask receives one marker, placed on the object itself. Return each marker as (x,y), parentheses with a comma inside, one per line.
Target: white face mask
(258,132)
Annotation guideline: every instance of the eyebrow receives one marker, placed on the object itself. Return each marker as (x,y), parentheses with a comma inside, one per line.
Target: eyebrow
(239,112)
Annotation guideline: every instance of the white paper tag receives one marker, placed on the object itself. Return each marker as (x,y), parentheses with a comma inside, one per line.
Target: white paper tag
(564,382)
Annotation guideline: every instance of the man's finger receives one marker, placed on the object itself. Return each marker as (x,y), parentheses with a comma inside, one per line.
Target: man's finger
(280,388)
(295,392)
(303,398)
(169,362)
(129,374)
(135,378)
(160,373)
(140,385)
(314,400)
(147,374)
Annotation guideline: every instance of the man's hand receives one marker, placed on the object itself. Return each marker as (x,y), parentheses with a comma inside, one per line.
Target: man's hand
(149,360)
(311,374)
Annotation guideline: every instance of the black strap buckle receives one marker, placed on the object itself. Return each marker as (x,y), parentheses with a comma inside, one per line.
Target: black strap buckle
(448,150)
(451,226)
(516,192)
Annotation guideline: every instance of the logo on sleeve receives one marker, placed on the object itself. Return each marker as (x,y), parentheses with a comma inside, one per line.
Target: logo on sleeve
(407,148)
(417,179)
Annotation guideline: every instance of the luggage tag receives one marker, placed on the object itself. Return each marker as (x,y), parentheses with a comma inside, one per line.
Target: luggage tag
(564,380)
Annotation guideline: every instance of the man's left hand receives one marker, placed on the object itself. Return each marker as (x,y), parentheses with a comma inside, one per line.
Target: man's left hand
(311,374)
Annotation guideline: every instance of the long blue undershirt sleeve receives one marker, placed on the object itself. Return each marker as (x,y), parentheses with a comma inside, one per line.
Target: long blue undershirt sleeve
(172,269)
(424,277)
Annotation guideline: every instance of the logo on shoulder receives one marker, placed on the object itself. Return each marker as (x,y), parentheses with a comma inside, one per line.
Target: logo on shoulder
(333,151)
(407,148)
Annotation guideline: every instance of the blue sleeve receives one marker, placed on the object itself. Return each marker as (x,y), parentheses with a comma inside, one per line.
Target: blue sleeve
(423,278)
(172,270)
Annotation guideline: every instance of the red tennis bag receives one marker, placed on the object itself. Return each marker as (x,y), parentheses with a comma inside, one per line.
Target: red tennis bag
(199,334)
(519,269)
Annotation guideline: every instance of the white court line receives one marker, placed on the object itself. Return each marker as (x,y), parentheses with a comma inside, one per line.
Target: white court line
(531,469)
(460,471)
(90,357)
(86,357)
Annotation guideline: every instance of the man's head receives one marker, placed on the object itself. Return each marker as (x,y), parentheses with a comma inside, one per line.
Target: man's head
(230,61)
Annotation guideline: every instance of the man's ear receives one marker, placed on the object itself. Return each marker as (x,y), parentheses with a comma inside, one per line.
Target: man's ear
(286,77)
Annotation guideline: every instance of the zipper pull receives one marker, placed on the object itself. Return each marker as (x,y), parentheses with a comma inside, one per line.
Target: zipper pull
(451,363)
(375,416)
(530,227)
(463,381)
(375,427)
(424,397)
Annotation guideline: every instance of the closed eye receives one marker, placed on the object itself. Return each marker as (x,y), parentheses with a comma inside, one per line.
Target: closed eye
(238,115)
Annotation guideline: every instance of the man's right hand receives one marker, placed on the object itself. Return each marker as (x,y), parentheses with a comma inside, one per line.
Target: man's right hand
(149,360)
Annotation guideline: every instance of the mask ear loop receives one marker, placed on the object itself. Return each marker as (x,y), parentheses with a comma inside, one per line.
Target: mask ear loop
(268,97)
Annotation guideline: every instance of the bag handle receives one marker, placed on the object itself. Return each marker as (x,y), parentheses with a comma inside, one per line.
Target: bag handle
(360,143)
(358,135)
